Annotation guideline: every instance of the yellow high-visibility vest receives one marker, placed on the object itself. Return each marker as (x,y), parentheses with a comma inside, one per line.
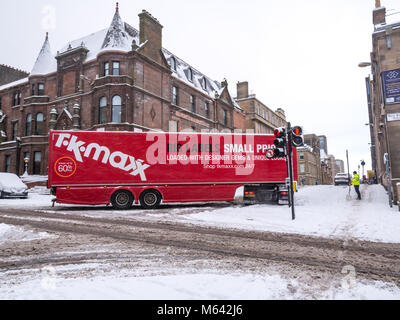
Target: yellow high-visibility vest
(356,180)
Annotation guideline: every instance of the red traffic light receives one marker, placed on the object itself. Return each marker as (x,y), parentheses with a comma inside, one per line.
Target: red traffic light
(297,131)
(279,132)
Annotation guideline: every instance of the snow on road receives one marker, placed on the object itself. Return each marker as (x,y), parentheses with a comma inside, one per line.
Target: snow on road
(320,211)
(208,286)
(11,233)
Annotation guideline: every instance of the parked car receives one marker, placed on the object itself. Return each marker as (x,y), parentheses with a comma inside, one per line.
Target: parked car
(11,186)
(342,178)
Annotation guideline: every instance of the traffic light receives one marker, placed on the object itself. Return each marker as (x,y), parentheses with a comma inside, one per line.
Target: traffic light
(280,143)
(297,137)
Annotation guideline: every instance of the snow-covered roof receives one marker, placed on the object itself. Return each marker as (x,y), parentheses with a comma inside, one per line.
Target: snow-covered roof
(306,147)
(201,82)
(323,154)
(181,71)
(14,83)
(69,115)
(45,62)
(119,36)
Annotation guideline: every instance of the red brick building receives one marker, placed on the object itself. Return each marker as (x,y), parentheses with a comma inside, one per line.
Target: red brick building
(118,78)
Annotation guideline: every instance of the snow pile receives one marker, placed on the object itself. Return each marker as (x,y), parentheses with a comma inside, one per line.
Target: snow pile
(12,234)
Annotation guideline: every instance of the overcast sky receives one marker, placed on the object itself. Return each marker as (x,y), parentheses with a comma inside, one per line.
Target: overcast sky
(301,56)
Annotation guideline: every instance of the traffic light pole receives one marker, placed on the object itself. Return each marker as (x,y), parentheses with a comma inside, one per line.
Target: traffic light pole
(290,156)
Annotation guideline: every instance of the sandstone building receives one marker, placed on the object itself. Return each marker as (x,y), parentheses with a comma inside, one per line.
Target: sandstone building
(259,117)
(383,92)
(118,78)
(309,161)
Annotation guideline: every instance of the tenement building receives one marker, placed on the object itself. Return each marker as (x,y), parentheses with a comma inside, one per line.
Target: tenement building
(309,161)
(116,79)
(259,117)
(383,92)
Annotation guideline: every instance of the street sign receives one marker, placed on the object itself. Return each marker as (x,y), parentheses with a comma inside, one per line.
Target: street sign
(393,117)
(391,86)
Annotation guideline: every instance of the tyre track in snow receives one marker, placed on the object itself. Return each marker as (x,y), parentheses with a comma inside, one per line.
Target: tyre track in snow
(378,261)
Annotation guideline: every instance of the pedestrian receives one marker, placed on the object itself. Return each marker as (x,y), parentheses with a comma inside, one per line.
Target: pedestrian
(356,183)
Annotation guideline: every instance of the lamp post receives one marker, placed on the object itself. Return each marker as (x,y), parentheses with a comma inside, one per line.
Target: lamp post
(26,162)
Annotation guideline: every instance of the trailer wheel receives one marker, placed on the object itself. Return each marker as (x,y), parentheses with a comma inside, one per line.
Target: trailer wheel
(150,199)
(122,200)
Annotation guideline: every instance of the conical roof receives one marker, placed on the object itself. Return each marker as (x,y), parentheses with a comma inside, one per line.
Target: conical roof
(117,37)
(45,62)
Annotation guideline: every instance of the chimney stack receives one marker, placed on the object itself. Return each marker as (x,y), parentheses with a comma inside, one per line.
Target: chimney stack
(150,31)
(242,90)
(379,14)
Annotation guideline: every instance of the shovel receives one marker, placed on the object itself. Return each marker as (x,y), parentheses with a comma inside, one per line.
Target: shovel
(348,196)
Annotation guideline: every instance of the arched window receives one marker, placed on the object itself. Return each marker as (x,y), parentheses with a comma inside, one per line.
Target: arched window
(116,109)
(28,126)
(173,63)
(190,75)
(103,110)
(39,124)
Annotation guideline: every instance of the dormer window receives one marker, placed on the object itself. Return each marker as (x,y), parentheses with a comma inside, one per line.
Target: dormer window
(204,84)
(173,63)
(190,75)
(225,117)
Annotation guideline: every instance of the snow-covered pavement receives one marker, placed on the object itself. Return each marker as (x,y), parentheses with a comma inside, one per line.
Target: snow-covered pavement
(320,211)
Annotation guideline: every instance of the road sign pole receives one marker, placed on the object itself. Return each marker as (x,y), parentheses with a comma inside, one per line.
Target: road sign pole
(290,155)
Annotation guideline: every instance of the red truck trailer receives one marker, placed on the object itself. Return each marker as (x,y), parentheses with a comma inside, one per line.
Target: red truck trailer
(126,168)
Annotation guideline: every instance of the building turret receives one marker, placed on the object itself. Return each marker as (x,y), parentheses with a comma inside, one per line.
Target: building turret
(45,62)
(117,37)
